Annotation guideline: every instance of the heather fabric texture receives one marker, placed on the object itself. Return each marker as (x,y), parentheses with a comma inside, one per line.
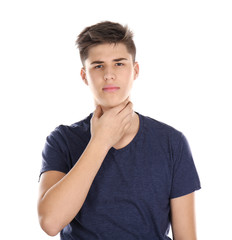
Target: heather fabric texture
(130,195)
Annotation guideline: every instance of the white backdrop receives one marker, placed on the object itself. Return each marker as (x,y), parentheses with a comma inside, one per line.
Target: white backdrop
(185,54)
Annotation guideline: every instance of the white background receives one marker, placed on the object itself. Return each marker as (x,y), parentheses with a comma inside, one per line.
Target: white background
(185,53)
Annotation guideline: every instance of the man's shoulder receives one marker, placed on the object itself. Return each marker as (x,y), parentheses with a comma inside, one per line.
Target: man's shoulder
(157,129)
(80,128)
(81,124)
(153,123)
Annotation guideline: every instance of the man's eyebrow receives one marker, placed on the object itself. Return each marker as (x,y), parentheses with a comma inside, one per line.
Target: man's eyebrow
(96,62)
(119,59)
(114,60)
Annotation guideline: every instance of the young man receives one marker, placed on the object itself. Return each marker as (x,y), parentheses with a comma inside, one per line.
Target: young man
(116,174)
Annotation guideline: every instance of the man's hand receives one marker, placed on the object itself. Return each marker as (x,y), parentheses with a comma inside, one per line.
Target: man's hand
(109,128)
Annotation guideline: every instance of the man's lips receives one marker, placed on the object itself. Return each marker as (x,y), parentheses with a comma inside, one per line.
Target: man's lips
(110,88)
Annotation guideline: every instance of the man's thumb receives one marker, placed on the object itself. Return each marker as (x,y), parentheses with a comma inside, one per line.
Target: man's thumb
(98,112)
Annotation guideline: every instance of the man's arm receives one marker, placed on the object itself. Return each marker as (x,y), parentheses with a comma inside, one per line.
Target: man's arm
(62,196)
(183,217)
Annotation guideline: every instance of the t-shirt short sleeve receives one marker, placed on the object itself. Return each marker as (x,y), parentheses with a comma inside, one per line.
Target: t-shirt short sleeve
(185,178)
(53,154)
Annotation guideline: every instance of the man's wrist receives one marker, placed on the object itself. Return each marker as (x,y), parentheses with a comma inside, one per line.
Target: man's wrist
(100,146)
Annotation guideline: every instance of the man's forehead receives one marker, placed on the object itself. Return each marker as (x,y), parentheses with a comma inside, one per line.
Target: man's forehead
(108,52)
(113,60)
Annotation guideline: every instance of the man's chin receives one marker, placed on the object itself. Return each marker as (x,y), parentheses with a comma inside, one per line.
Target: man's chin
(109,105)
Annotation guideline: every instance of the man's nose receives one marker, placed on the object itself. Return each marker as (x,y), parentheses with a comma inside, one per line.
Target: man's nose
(109,75)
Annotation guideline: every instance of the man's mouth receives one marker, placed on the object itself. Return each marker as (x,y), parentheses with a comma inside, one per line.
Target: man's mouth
(110,88)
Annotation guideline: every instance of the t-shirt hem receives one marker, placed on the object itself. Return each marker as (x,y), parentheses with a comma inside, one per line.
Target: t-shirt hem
(51,169)
(181,194)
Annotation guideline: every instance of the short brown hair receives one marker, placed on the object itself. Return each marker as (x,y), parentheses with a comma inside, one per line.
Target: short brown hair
(105,32)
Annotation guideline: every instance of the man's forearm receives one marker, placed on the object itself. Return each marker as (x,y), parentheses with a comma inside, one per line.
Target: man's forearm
(62,202)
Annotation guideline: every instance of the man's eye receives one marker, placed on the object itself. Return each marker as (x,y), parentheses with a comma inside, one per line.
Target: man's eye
(119,64)
(98,66)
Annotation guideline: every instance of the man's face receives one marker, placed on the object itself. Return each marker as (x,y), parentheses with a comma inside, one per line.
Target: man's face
(109,72)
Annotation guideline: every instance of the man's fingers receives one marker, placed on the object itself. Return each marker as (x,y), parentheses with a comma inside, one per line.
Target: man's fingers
(98,112)
(126,109)
(127,116)
(121,106)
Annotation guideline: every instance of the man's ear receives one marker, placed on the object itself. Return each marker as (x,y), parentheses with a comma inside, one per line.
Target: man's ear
(136,70)
(83,75)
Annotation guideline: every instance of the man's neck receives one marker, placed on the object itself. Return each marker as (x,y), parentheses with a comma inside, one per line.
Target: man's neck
(129,134)
(134,126)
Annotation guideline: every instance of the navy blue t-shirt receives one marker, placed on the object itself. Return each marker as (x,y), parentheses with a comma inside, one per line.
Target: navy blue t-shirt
(130,196)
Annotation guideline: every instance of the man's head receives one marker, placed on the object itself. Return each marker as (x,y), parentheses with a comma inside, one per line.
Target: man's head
(105,32)
(107,52)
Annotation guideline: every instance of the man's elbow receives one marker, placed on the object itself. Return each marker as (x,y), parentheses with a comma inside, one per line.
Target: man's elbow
(49,226)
